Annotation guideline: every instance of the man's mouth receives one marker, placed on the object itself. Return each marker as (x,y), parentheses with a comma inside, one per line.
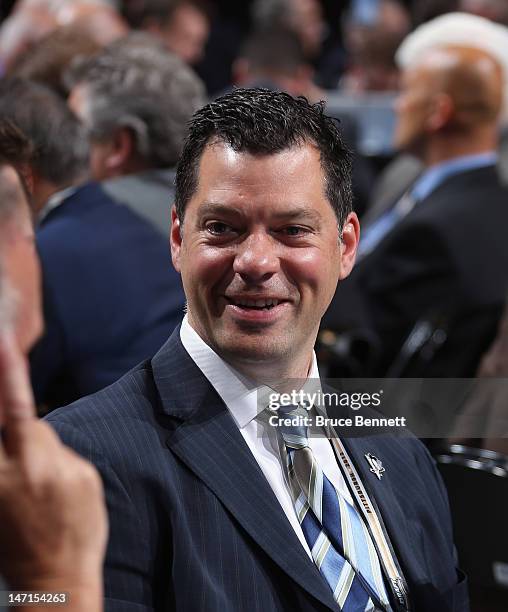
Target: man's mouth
(259,304)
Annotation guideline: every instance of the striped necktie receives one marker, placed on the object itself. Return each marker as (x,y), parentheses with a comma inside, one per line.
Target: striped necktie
(339,541)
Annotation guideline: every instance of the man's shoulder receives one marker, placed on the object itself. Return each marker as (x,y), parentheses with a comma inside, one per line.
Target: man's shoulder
(80,202)
(90,231)
(88,208)
(437,227)
(68,226)
(468,190)
(132,397)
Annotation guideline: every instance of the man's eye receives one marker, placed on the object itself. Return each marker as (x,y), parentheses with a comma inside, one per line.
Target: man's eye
(217,228)
(294,230)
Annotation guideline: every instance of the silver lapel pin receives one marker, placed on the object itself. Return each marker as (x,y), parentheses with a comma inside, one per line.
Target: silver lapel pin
(376,467)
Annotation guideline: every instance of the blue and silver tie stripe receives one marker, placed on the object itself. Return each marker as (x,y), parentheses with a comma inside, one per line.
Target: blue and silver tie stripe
(339,541)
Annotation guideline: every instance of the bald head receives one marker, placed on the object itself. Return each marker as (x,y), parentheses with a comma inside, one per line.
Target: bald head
(470,77)
(101,22)
(450,92)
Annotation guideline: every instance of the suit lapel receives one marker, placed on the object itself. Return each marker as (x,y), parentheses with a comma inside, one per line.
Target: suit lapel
(404,533)
(207,440)
(381,492)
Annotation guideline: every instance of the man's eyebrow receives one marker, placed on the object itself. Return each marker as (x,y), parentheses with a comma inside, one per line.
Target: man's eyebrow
(289,214)
(298,213)
(216,208)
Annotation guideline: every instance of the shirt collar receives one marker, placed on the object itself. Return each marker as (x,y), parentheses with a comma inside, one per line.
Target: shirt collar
(239,393)
(437,174)
(55,200)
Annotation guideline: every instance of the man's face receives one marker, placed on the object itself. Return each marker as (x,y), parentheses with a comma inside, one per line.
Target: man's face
(186,33)
(412,107)
(259,253)
(20,264)
(307,20)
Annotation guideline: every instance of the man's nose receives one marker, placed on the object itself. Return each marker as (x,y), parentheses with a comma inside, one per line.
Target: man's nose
(257,258)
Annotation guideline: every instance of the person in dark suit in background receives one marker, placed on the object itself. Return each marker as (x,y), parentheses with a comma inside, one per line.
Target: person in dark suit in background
(460,29)
(439,254)
(135,99)
(110,297)
(209,504)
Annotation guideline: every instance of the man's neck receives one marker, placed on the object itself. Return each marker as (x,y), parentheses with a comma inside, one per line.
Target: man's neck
(280,368)
(133,165)
(446,147)
(43,190)
(273,373)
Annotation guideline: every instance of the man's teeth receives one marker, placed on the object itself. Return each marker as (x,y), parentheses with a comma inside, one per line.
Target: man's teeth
(257,303)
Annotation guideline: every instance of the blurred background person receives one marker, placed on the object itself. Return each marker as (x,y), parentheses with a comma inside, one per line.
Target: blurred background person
(495,10)
(453,28)
(98,17)
(48,59)
(307,19)
(371,40)
(25,25)
(483,421)
(274,58)
(182,25)
(52,512)
(437,255)
(30,22)
(134,99)
(81,29)
(104,312)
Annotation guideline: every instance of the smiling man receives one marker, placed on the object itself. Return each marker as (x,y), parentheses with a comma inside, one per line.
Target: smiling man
(210,508)
(260,252)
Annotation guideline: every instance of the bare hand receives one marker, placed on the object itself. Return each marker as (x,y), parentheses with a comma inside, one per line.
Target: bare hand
(53,524)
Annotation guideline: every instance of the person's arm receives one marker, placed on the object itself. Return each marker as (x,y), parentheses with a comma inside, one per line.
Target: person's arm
(53,524)
(412,278)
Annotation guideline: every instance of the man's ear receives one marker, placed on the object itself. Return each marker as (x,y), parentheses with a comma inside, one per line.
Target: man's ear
(349,240)
(175,239)
(121,149)
(441,111)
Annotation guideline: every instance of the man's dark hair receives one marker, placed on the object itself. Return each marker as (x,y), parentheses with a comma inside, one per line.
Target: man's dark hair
(60,153)
(276,49)
(263,122)
(139,12)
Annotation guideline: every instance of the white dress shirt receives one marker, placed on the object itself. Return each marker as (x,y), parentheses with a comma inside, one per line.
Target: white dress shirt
(241,398)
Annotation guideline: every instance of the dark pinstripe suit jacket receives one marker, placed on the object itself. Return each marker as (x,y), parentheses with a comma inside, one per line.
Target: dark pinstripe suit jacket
(196,527)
